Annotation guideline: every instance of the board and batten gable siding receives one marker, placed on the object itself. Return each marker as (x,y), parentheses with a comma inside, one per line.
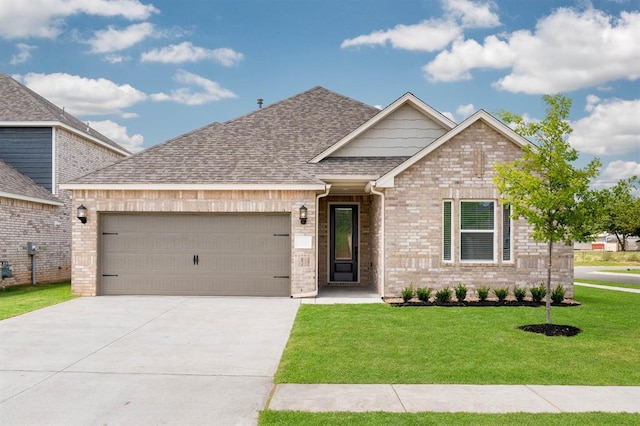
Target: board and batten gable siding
(29,150)
(460,170)
(402,134)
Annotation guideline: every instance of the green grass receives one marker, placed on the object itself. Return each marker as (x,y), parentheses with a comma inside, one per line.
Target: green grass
(17,300)
(609,283)
(543,419)
(606,258)
(383,344)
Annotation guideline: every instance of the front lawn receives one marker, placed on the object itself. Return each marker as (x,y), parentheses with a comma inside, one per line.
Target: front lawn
(16,300)
(384,344)
(543,419)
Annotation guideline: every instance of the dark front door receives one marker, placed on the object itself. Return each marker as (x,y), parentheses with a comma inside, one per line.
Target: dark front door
(343,241)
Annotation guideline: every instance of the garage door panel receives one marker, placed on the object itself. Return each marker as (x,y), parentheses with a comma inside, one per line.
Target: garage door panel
(154,254)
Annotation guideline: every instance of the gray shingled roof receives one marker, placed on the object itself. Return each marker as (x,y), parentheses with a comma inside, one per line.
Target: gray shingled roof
(268,146)
(210,155)
(18,103)
(14,182)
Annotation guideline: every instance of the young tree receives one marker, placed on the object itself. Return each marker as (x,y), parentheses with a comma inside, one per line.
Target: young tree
(544,187)
(621,210)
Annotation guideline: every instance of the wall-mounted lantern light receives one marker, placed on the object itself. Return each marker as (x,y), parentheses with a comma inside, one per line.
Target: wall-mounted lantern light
(82,214)
(303,215)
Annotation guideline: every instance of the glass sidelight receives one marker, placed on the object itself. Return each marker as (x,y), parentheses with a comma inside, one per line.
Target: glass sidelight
(343,261)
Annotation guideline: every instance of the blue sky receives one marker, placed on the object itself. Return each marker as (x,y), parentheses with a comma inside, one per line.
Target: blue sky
(142,72)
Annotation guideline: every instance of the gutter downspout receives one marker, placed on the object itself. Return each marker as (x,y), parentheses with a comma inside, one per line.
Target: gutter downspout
(314,293)
(371,189)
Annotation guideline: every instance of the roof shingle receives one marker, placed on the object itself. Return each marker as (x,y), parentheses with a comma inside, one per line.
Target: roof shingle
(271,145)
(15,183)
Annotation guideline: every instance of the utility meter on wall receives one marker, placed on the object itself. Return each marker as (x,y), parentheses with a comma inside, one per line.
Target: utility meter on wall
(31,249)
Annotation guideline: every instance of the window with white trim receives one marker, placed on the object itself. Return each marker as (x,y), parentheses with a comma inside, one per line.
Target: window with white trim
(447,231)
(506,233)
(477,231)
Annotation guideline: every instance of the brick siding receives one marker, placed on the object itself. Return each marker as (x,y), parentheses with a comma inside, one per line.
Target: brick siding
(85,237)
(461,169)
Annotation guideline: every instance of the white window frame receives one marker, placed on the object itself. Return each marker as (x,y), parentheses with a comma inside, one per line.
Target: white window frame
(476,231)
(510,221)
(452,245)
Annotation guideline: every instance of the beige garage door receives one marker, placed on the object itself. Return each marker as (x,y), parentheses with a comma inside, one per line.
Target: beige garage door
(212,255)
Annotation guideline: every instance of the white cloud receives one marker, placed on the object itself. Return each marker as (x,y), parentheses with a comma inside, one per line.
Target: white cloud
(611,128)
(115,59)
(46,18)
(23,55)
(114,40)
(118,133)
(616,171)
(454,65)
(449,116)
(471,14)
(432,34)
(569,50)
(187,52)
(211,91)
(465,111)
(428,36)
(83,96)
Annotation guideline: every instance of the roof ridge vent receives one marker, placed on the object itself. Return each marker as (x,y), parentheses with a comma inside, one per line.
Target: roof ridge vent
(260,102)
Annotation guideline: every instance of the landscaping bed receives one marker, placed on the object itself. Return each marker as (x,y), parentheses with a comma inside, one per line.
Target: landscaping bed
(398,302)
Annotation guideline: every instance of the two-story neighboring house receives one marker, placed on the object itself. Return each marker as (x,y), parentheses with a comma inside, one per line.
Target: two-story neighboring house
(42,146)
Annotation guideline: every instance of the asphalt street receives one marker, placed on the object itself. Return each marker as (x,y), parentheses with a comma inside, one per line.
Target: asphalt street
(596,273)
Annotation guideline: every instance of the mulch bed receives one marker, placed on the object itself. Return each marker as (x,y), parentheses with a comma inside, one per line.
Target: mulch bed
(551,329)
(546,329)
(473,303)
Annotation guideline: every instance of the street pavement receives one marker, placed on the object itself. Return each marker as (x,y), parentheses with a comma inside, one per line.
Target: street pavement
(596,273)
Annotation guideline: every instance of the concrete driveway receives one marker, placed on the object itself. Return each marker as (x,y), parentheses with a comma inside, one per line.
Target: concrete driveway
(142,360)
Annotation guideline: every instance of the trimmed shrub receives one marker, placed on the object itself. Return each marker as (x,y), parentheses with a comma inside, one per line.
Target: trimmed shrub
(408,293)
(538,293)
(501,293)
(557,294)
(424,293)
(444,295)
(519,293)
(483,293)
(461,292)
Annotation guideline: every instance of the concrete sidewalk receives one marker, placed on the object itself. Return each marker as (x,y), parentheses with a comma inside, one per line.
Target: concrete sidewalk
(455,398)
(608,287)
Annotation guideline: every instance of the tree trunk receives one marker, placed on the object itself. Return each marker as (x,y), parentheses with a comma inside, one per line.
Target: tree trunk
(622,242)
(548,301)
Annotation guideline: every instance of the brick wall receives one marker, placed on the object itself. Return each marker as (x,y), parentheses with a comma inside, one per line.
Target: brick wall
(461,169)
(49,227)
(85,237)
(25,221)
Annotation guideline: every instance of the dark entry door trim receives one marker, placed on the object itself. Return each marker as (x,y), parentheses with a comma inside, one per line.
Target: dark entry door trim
(344,238)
